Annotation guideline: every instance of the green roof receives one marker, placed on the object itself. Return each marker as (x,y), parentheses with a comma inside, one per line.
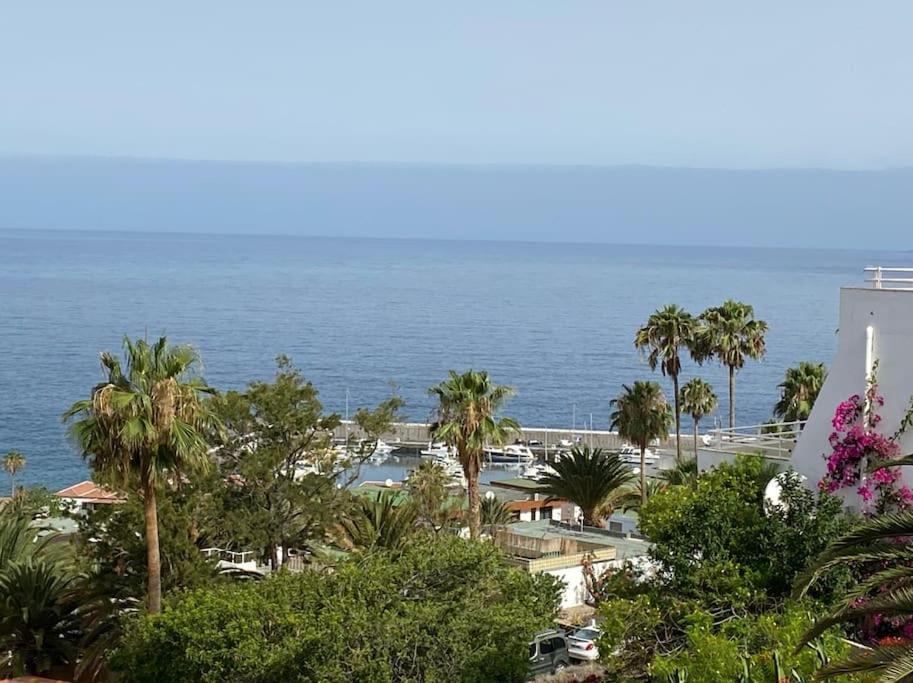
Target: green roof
(519,483)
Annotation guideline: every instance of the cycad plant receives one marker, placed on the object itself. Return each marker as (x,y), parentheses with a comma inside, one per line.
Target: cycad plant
(662,338)
(144,426)
(732,335)
(467,419)
(588,478)
(799,390)
(641,414)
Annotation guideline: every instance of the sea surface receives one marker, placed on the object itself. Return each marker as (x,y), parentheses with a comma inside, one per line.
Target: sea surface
(555,321)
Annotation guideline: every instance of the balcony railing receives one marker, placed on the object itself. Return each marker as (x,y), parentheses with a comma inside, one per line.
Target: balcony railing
(776,439)
(889,278)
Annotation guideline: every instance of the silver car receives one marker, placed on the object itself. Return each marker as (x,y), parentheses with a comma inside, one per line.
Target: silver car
(581,644)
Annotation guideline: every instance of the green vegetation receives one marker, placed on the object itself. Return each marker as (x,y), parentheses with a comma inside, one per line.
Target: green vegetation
(144,426)
(698,400)
(719,601)
(589,478)
(798,391)
(13,462)
(663,336)
(377,585)
(467,419)
(440,610)
(641,414)
(731,334)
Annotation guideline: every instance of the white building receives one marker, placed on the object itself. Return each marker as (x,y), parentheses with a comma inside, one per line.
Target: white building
(876,324)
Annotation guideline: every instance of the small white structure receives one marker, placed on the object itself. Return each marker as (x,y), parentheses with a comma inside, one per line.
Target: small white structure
(876,324)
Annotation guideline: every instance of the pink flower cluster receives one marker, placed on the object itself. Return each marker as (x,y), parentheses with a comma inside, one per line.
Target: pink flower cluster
(855,443)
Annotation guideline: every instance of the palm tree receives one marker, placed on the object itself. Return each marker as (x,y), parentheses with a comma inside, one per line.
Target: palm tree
(882,542)
(641,414)
(665,333)
(698,400)
(798,391)
(13,462)
(683,474)
(382,522)
(588,478)
(144,426)
(466,419)
(732,334)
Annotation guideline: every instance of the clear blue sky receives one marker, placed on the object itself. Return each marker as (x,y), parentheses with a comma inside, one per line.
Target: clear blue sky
(820,83)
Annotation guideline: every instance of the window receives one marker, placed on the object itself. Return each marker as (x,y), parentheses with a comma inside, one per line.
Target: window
(545,513)
(532,650)
(615,526)
(546,646)
(558,644)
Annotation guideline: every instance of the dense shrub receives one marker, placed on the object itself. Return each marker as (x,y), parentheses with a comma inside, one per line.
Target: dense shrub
(442,610)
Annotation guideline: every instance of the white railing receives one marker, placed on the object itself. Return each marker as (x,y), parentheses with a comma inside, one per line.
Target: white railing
(889,278)
(776,439)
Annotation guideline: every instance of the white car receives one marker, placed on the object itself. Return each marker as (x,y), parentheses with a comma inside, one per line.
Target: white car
(581,644)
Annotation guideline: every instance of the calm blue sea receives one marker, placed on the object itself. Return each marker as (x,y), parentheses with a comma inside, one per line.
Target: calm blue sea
(554,320)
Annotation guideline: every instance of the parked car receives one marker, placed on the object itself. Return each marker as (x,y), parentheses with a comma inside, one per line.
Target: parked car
(548,653)
(581,644)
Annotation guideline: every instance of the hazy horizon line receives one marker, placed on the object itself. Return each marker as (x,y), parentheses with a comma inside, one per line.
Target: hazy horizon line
(41,156)
(393,238)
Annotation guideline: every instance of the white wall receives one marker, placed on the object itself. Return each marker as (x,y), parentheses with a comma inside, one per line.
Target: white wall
(575,592)
(890,313)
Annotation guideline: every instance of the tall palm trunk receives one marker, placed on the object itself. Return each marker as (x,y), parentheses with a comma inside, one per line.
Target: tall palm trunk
(695,445)
(731,397)
(12,486)
(678,421)
(643,473)
(153,558)
(472,489)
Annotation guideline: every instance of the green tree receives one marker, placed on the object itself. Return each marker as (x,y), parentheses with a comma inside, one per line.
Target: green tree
(381,522)
(641,414)
(731,333)
(685,474)
(143,428)
(13,462)
(588,478)
(724,519)
(467,419)
(284,475)
(798,391)
(698,400)
(443,609)
(666,332)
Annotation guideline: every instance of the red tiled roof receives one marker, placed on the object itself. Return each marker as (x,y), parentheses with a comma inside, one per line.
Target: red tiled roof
(89,490)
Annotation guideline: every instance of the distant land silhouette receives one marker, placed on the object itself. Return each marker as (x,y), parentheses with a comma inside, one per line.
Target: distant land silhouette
(622,204)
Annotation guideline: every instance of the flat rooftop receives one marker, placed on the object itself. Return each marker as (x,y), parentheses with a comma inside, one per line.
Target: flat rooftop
(626,546)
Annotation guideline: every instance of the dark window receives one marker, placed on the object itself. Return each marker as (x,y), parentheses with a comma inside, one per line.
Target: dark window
(615,526)
(557,644)
(546,646)
(545,513)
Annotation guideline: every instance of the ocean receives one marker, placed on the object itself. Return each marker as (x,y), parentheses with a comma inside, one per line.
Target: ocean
(555,321)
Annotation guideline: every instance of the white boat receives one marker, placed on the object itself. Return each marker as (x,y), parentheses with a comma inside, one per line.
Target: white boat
(515,453)
(383,448)
(631,455)
(535,470)
(438,449)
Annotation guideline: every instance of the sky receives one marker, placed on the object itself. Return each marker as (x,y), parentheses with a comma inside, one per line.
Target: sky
(776,84)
